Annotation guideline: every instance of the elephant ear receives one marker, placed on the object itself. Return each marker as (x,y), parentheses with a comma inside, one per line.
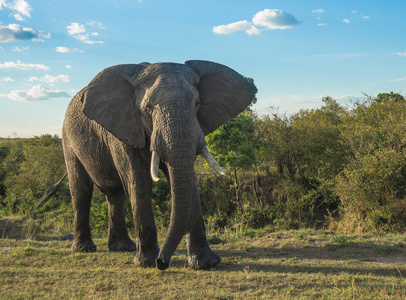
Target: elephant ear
(109,100)
(223,93)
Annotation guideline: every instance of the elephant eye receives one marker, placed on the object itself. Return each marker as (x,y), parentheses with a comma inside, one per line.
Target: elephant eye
(149,107)
(197,103)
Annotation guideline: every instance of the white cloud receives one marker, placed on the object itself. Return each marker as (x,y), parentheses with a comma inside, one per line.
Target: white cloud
(15,33)
(75,28)
(79,32)
(96,24)
(20,49)
(21,66)
(346,21)
(85,39)
(68,67)
(365,17)
(401,53)
(268,18)
(51,79)
(37,92)
(18,17)
(66,50)
(318,11)
(253,31)
(20,9)
(7,79)
(320,19)
(235,27)
(398,79)
(275,19)
(349,99)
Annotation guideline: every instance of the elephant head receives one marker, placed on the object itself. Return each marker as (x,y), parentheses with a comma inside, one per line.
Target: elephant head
(169,108)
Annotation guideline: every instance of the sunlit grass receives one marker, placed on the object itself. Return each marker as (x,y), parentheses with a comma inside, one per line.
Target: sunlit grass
(256,264)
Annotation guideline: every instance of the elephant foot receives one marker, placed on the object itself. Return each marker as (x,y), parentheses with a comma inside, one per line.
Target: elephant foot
(86,246)
(203,258)
(146,258)
(122,245)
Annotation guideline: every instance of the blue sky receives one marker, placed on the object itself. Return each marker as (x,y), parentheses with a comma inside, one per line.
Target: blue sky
(297,51)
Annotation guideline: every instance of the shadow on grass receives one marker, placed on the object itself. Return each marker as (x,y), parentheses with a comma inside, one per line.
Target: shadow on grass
(9,229)
(308,260)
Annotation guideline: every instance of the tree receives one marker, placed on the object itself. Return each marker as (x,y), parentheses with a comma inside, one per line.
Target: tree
(233,146)
(385,97)
(372,186)
(303,154)
(31,166)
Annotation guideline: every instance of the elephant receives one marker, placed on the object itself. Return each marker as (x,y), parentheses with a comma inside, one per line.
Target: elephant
(132,120)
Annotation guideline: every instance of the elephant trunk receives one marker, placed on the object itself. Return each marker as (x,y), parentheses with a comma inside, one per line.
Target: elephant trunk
(177,142)
(181,178)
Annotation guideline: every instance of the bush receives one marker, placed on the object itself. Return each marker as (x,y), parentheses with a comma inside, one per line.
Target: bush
(336,164)
(30,167)
(161,201)
(372,190)
(372,186)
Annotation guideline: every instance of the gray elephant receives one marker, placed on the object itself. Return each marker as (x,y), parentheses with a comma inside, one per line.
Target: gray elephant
(128,122)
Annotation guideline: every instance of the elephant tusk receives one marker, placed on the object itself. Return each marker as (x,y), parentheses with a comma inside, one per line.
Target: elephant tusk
(211,161)
(154,166)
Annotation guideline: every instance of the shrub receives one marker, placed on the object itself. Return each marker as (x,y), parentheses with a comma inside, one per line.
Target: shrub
(372,190)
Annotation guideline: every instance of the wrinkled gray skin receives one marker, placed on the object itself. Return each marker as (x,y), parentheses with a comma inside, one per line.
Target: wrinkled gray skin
(110,131)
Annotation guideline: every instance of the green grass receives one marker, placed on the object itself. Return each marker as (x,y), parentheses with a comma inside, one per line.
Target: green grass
(305,264)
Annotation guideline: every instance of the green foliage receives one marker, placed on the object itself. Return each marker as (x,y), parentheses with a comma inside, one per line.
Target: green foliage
(4,152)
(304,153)
(161,203)
(233,144)
(30,167)
(331,166)
(99,214)
(372,186)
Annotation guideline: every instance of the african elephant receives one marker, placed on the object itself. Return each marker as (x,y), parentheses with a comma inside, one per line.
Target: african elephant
(128,122)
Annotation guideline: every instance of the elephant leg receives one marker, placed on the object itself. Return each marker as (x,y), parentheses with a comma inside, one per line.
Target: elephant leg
(119,239)
(81,188)
(140,192)
(200,255)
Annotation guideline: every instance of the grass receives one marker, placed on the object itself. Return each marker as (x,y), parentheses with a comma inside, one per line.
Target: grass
(303,264)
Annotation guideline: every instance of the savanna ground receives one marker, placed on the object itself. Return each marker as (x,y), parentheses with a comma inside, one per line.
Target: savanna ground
(255,264)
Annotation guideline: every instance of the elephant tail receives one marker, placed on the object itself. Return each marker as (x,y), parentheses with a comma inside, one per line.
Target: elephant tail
(51,190)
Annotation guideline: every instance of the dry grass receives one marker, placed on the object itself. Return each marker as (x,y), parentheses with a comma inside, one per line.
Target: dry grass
(256,264)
